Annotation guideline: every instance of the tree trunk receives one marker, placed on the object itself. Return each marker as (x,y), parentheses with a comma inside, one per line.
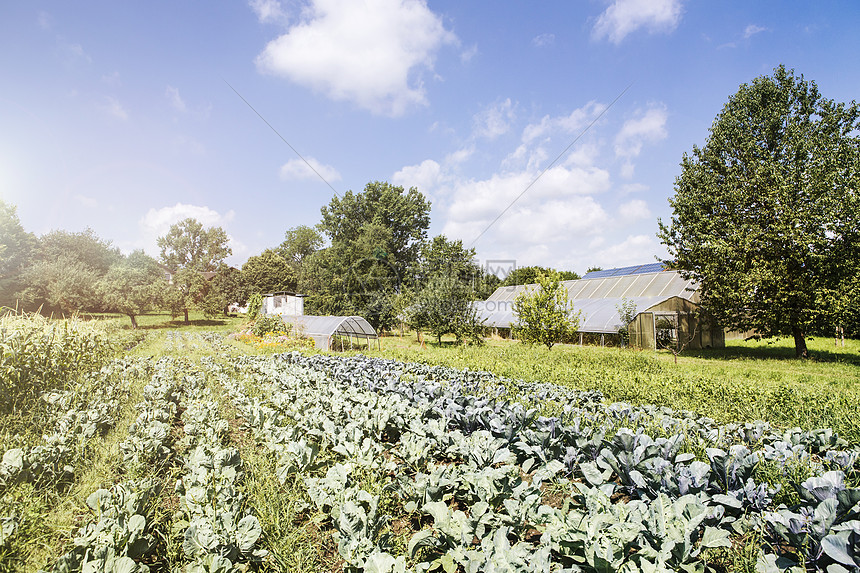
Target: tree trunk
(133,321)
(186,316)
(799,342)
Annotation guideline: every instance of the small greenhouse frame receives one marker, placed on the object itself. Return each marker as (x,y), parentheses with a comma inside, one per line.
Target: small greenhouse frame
(325,330)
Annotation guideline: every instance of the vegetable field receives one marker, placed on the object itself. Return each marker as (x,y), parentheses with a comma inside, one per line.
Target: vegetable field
(291,462)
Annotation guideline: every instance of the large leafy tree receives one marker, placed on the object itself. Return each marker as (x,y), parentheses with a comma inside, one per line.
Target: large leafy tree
(355,277)
(192,252)
(269,272)
(766,214)
(299,244)
(132,286)
(405,214)
(545,314)
(444,291)
(65,269)
(444,305)
(376,238)
(188,245)
(16,248)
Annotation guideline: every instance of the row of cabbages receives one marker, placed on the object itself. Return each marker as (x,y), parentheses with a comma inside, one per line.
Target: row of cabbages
(120,532)
(219,530)
(479,467)
(80,415)
(216,530)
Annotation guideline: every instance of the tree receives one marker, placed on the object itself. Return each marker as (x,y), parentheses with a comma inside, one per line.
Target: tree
(300,243)
(529,275)
(16,248)
(269,272)
(376,238)
(64,271)
(545,315)
(230,286)
(626,312)
(765,215)
(445,287)
(444,305)
(132,287)
(191,252)
(187,245)
(405,214)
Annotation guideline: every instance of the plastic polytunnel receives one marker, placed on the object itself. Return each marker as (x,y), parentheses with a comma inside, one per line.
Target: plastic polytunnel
(325,330)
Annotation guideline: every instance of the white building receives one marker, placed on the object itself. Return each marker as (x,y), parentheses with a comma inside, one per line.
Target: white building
(283,304)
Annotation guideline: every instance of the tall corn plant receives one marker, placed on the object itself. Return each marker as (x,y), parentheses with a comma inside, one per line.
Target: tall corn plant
(37,354)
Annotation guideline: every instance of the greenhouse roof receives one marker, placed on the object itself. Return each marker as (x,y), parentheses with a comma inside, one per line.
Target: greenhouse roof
(598,315)
(596,298)
(622,271)
(322,328)
(666,283)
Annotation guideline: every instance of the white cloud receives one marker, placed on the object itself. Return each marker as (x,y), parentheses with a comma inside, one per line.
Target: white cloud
(185,144)
(298,169)
(575,121)
(175,99)
(88,202)
(752,30)
(469,53)
(114,108)
(634,210)
(649,127)
(268,11)
(635,249)
(461,155)
(623,17)
(574,215)
(113,80)
(495,120)
(543,40)
(426,176)
(73,52)
(160,220)
(44,20)
(371,53)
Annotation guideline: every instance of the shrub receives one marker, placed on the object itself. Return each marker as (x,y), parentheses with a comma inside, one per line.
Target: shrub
(266,324)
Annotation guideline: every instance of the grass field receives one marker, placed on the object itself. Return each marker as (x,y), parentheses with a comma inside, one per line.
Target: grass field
(745,382)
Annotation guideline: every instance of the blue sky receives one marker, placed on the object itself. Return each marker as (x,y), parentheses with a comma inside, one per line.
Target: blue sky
(118,115)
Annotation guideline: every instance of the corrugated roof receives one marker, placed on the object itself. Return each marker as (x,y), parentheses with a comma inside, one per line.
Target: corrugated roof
(599,315)
(596,298)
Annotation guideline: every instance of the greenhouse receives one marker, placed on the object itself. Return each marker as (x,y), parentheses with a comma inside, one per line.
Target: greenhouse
(665,307)
(332,332)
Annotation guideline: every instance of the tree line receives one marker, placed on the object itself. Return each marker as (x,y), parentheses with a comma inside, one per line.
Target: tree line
(369,255)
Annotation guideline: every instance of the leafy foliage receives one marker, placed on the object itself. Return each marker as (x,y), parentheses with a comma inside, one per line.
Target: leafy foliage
(530,275)
(269,272)
(444,305)
(376,238)
(132,287)
(65,270)
(16,248)
(188,244)
(765,214)
(545,316)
